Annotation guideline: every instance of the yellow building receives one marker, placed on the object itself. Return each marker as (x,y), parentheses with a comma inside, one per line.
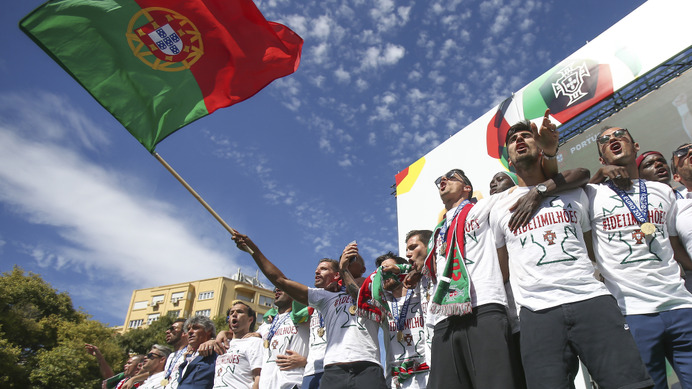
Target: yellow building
(210,297)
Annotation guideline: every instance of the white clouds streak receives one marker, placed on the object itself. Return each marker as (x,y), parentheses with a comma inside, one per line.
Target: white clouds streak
(114,227)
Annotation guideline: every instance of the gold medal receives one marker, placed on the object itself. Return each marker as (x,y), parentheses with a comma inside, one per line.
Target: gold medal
(648,228)
(399,336)
(266,343)
(443,247)
(320,332)
(164,382)
(352,310)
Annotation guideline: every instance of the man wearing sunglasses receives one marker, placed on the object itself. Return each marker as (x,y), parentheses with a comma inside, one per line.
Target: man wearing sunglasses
(639,255)
(176,337)
(682,168)
(565,312)
(153,365)
(681,165)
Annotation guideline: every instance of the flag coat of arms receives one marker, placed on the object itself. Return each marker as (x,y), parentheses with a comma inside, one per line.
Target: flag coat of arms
(157,65)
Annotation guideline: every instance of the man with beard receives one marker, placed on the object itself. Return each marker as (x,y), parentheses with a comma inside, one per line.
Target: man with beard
(239,367)
(153,365)
(176,337)
(197,371)
(352,351)
(285,346)
(565,312)
(638,251)
(406,347)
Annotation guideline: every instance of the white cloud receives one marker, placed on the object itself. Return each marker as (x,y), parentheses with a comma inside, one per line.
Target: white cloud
(107,216)
(342,76)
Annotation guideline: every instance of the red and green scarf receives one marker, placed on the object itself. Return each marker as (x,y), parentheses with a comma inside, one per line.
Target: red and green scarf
(453,294)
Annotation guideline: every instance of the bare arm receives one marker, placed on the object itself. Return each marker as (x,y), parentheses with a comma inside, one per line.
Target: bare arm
(617,174)
(524,209)
(350,283)
(256,378)
(681,254)
(104,369)
(298,291)
(503,258)
(588,241)
(548,140)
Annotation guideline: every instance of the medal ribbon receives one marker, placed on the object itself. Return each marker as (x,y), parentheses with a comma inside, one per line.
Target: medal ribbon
(275,325)
(642,215)
(177,356)
(401,319)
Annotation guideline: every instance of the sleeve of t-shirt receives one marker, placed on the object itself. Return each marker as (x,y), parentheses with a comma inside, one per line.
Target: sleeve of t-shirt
(671,217)
(497,228)
(316,297)
(263,329)
(584,218)
(255,353)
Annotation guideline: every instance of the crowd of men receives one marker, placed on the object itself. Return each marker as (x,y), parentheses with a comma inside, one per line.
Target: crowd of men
(508,291)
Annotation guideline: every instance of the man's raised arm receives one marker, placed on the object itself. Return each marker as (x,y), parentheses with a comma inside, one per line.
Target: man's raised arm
(298,291)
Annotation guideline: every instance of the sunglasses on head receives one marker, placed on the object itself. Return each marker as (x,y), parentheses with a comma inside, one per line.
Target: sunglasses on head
(620,133)
(682,151)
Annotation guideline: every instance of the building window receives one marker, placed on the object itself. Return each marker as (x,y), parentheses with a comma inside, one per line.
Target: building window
(136,323)
(139,305)
(204,312)
(152,318)
(177,296)
(260,318)
(156,300)
(174,314)
(266,301)
(206,295)
(244,297)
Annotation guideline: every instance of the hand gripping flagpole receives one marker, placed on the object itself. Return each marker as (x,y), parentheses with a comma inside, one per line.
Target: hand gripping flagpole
(200,199)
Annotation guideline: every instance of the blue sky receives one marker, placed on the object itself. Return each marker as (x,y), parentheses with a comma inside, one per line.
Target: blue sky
(303,168)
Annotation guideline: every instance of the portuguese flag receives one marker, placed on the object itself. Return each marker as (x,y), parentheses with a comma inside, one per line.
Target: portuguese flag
(157,65)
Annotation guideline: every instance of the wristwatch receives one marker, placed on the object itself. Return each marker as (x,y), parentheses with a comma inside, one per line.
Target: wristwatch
(542,189)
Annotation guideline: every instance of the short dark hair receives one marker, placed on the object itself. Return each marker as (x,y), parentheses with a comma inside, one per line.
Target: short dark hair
(389,255)
(673,168)
(423,235)
(464,179)
(333,262)
(523,125)
(179,320)
(250,312)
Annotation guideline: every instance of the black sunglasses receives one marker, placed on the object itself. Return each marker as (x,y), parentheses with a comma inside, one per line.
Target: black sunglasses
(682,151)
(450,176)
(154,355)
(620,133)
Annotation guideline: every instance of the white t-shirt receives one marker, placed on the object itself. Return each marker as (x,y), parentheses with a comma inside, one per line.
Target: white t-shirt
(351,338)
(234,368)
(318,344)
(288,336)
(154,381)
(171,369)
(639,271)
(480,255)
(412,346)
(548,261)
(683,223)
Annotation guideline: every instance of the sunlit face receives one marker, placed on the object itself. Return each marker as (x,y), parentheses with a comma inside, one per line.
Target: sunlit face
(655,168)
(415,249)
(683,165)
(616,147)
(152,360)
(196,335)
(131,366)
(521,146)
(174,333)
(500,183)
(282,299)
(239,319)
(325,275)
(452,187)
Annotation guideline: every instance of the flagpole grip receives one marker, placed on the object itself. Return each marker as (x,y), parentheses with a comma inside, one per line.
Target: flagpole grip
(200,199)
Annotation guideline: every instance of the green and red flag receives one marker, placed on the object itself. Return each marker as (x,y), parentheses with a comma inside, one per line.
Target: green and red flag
(157,65)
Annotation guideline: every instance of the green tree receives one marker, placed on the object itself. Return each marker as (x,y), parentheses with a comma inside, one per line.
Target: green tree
(140,340)
(42,337)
